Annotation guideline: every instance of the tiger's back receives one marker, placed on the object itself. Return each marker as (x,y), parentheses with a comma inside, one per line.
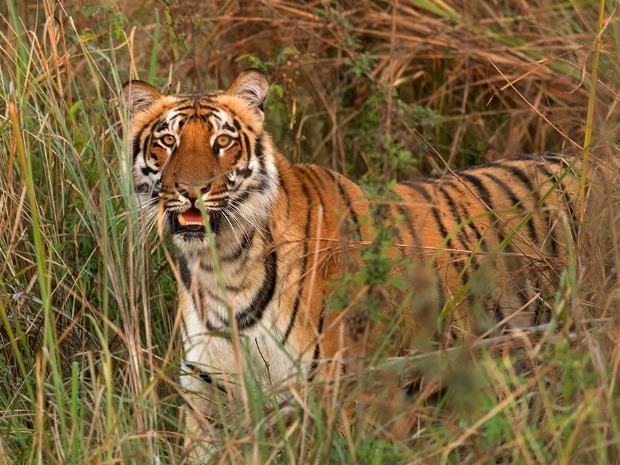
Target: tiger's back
(508,220)
(281,232)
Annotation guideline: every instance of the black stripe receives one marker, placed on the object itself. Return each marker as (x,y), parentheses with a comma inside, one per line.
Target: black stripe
(146,170)
(291,322)
(317,176)
(258,149)
(262,170)
(311,176)
(485,196)
(555,177)
(232,112)
(186,277)
(317,348)
(514,200)
(404,211)
(205,107)
(441,299)
(243,173)
(205,267)
(435,212)
(462,235)
(252,314)
(551,175)
(346,199)
(498,316)
(483,193)
(215,297)
(200,306)
(136,148)
(444,233)
(288,200)
(238,156)
(241,198)
(471,224)
(209,325)
(199,97)
(143,188)
(244,245)
(304,264)
(184,330)
(552,179)
(416,186)
(179,110)
(519,173)
(163,124)
(248,148)
(540,309)
(394,228)
(554,157)
(206,377)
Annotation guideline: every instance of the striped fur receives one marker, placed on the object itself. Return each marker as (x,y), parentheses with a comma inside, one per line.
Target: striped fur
(280,230)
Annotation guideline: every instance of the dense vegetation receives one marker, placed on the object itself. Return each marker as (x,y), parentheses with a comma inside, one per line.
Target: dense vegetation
(376,90)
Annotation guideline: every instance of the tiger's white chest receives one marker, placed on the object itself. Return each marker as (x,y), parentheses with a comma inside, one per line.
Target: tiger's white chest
(250,282)
(257,352)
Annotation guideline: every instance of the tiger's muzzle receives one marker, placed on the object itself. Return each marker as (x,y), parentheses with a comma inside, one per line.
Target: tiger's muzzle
(186,216)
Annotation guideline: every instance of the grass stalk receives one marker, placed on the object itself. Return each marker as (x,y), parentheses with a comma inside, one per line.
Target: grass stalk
(591,102)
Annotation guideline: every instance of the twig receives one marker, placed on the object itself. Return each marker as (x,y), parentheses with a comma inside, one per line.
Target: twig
(264,361)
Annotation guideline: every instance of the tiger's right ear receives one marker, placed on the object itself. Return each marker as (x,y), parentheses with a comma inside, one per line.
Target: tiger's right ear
(252,86)
(140,96)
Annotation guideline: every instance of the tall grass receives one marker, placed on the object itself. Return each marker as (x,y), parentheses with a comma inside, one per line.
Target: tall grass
(376,90)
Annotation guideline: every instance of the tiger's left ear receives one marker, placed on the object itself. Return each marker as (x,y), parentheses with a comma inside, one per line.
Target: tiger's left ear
(251,85)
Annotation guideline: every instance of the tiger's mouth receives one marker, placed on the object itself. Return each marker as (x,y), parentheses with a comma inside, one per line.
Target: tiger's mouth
(191,221)
(190,217)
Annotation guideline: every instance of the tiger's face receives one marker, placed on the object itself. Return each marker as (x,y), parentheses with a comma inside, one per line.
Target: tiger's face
(203,156)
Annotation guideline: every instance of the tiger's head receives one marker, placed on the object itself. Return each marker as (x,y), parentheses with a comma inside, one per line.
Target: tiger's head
(205,148)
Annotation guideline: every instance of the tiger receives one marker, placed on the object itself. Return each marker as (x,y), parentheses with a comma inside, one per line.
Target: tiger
(258,239)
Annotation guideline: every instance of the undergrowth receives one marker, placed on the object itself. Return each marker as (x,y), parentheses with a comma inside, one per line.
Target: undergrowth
(379,91)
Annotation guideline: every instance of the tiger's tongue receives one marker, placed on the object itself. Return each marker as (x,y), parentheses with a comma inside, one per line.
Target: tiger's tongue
(192,215)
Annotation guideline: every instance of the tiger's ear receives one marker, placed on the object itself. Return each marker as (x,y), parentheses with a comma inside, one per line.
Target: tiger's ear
(140,96)
(251,85)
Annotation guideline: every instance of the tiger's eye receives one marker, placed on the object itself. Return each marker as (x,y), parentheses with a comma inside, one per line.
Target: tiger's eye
(223,141)
(168,140)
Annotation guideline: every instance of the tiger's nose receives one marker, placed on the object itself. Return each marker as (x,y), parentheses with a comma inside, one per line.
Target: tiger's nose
(190,191)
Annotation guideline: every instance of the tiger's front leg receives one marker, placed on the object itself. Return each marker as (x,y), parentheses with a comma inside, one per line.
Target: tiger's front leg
(204,403)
